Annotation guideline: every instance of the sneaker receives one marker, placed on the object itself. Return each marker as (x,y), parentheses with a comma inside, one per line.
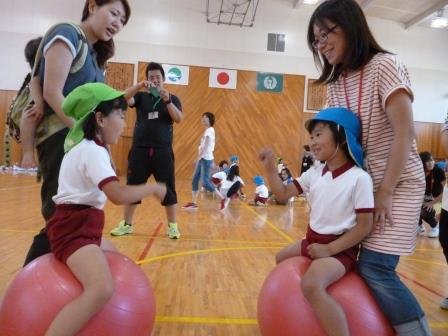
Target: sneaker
(421,229)
(173,231)
(224,203)
(122,229)
(434,232)
(444,304)
(190,205)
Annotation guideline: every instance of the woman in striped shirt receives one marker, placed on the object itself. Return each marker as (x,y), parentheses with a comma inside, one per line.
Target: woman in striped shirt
(375,85)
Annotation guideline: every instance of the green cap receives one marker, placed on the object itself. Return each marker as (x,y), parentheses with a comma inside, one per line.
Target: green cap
(80,103)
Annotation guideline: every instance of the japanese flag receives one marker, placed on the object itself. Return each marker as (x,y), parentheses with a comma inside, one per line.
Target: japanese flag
(222,78)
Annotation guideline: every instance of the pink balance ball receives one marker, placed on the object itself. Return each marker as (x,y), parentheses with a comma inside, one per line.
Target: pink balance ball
(284,311)
(45,286)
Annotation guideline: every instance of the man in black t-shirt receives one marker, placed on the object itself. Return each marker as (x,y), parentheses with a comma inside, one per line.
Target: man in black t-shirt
(307,159)
(152,152)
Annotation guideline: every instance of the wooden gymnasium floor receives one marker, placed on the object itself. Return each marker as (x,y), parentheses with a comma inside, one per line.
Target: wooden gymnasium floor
(207,282)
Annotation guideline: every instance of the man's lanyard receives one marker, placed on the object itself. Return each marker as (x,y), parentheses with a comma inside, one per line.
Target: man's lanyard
(157,101)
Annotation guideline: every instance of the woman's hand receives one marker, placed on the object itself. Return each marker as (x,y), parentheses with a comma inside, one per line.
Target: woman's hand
(428,205)
(383,210)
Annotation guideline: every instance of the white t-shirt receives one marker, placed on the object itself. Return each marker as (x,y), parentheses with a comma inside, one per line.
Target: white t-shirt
(207,149)
(221,175)
(336,197)
(262,191)
(85,169)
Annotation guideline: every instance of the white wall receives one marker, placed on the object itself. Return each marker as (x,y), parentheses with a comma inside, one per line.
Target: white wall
(175,31)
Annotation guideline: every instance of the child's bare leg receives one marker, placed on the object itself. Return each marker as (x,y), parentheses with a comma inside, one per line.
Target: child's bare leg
(322,273)
(289,251)
(27,132)
(106,245)
(217,193)
(89,265)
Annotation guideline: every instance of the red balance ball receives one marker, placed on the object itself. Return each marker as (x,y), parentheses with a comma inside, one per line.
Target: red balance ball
(45,286)
(284,311)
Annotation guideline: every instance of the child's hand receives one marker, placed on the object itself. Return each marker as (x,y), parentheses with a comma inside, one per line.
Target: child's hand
(267,158)
(34,111)
(317,251)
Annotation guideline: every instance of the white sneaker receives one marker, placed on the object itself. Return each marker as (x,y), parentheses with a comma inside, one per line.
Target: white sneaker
(434,232)
(421,229)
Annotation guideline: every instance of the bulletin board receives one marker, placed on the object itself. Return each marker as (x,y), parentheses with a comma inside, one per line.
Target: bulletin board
(317,95)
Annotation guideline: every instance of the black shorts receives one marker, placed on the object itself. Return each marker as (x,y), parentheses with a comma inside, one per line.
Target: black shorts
(146,161)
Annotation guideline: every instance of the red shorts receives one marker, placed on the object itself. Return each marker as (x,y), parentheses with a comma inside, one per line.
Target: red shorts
(216,181)
(73,226)
(347,257)
(262,200)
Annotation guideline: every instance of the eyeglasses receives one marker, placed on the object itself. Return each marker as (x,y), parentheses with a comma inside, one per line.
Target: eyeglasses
(323,38)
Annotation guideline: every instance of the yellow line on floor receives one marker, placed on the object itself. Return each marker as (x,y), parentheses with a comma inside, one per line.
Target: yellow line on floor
(185,253)
(273,227)
(424,261)
(428,250)
(438,325)
(206,320)
(279,243)
(241,321)
(18,231)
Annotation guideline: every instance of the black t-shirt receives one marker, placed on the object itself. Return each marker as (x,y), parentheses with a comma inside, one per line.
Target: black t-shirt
(153,126)
(307,162)
(434,182)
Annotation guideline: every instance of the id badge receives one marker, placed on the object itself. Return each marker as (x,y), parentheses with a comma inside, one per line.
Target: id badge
(153,115)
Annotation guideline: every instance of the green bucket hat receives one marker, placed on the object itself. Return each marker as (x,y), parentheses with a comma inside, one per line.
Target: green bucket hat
(80,103)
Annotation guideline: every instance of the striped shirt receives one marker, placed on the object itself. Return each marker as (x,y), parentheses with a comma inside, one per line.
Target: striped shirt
(445,124)
(381,76)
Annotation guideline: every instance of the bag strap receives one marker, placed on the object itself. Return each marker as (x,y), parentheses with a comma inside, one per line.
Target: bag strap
(81,51)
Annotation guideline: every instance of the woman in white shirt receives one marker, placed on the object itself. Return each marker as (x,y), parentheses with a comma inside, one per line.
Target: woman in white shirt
(204,161)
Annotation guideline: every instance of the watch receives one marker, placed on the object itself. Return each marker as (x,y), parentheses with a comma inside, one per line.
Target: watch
(168,101)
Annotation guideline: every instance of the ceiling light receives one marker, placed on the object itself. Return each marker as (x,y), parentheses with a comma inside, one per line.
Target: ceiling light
(439,21)
(310,2)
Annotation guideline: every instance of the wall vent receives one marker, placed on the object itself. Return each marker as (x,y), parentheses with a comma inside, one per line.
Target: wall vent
(276,42)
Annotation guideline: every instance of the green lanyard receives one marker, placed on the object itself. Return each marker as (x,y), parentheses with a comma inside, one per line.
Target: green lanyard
(157,101)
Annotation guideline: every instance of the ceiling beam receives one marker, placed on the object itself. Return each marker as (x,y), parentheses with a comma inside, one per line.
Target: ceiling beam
(295,3)
(420,16)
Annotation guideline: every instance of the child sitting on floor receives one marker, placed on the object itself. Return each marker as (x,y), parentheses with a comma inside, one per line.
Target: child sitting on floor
(261,192)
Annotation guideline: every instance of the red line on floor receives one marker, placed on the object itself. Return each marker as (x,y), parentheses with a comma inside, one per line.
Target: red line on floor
(149,243)
(421,285)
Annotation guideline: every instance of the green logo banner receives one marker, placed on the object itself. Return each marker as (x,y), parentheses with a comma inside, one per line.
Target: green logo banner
(270,82)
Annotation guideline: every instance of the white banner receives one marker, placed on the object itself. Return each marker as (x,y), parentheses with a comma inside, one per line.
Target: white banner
(176,74)
(222,78)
